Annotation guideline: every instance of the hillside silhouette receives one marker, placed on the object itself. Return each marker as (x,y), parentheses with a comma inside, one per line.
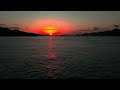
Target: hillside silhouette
(4,31)
(114,32)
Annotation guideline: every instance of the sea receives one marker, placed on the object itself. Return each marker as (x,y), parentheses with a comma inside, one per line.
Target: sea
(60,57)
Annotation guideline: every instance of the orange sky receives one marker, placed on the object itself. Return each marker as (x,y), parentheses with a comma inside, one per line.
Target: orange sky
(53,26)
(62,21)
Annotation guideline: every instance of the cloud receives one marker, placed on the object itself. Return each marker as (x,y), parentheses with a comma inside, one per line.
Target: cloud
(3,25)
(14,24)
(14,27)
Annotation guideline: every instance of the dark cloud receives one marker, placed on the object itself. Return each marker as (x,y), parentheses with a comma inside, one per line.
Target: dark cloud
(14,27)
(14,24)
(3,25)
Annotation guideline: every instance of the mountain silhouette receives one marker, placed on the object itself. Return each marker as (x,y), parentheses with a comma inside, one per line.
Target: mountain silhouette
(4,31)
(114,32)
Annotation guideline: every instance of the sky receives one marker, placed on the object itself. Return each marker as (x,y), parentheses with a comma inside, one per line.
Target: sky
(72,21)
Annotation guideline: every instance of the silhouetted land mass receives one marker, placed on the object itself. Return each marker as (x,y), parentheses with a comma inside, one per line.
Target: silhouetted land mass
(114,32)
(8,32)
(4,31)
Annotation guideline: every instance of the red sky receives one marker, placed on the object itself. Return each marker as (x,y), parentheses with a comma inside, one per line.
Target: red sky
(63,22)
(51,25)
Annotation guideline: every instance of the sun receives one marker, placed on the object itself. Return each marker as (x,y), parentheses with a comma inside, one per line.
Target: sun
(50,30)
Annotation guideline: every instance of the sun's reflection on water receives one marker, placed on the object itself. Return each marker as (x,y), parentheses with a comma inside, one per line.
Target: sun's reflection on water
(52,56)
(51,52)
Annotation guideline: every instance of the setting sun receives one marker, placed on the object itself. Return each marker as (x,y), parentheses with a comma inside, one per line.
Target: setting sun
(50,30)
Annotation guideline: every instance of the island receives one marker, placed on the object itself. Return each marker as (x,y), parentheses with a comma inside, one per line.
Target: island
(4,31)
(114,32)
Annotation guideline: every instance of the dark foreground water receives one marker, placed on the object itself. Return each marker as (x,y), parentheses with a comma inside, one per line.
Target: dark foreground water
(59,57)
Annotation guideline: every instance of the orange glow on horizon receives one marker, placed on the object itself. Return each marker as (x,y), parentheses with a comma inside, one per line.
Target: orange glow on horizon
(51,26)
(49,30)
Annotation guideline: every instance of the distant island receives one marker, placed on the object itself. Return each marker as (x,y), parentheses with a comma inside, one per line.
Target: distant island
(114,32)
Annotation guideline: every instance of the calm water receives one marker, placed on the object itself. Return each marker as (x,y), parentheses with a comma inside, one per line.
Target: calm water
(59,57)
